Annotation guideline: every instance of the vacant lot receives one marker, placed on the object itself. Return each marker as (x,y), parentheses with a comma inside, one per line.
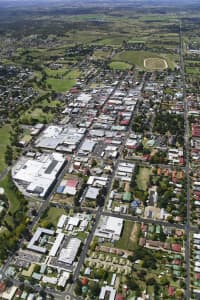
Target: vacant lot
(52,216)
(143,178)
(129,236)
(155,63)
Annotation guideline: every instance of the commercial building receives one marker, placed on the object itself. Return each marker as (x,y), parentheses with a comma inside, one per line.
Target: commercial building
(92,193)
(87,147)
(60,138)
(109,228)
(36,176)
(68,254)
(63,279)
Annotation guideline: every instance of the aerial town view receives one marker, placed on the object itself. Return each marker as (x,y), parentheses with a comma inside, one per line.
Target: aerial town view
(100,149)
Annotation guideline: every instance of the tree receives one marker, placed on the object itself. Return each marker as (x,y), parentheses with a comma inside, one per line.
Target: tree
(9,155)
(94,163)
(78,288)
(94,288)
(164,280)
(179,294)
(101,274)
(151,281)
(132,284)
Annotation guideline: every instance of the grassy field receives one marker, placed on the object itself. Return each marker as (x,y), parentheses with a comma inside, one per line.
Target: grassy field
(192,70)
(100,54)
(52,215)
(155,63)
(120,65)
(52,103)
(58,72)
(143,178)
(125,241)
(13,197)
(64,84)
(137,58)
(111,41)
(4,141)
(36,114)
(61,85)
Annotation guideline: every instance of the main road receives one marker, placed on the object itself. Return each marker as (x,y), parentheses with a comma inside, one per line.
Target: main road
(187,162)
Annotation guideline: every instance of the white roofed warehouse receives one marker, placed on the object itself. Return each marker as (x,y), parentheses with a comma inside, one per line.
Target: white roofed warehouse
(109,228)
(36,176)
(68,254)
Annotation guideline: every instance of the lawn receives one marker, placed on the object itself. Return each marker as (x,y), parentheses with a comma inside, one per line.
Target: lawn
(61,85)
(100,54)
(143,178)
(111,41)
(58,72)
(137,58)
(4,141)
(120,65)
(52,103)
(64,84)
(14,199)
(125,241)
(192,70)
(36,114)
(52,215)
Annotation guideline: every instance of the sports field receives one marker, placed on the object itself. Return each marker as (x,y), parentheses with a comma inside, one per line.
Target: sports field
(155,63)
(146,59)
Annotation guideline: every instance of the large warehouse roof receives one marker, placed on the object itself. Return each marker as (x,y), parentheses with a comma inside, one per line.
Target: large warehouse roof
(37,175)
(68,255)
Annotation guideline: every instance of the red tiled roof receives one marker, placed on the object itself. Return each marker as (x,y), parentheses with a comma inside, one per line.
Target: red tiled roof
(197,275)
(170,291)
(72,183)
(176,262)
(119,297)
(2,287)
(176,247)
(196,130)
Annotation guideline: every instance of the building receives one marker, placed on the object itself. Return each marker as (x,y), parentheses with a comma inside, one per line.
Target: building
(9,293)
(56,244)
(60,138)
(87,147)
(92,193)
(36,176)
(68,254)
(63,279)
(33,244)
(61,222)
(107,290)
(109,227)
